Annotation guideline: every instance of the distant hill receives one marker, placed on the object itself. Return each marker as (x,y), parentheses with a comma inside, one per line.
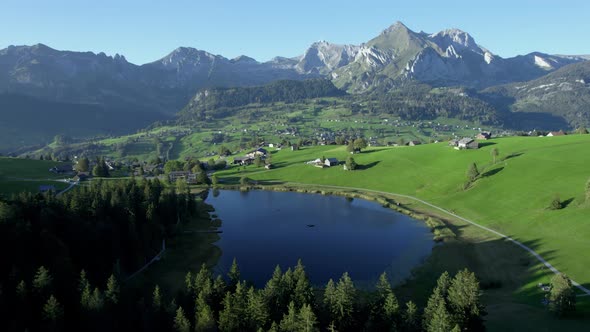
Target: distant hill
(281,91)
(563,95)
(28,121)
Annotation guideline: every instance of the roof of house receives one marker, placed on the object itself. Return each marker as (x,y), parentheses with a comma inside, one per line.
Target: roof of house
(465,140)
(557,133)
(332,160)
(243,158)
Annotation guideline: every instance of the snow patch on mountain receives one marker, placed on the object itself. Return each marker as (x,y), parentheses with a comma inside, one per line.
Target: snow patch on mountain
(539,61)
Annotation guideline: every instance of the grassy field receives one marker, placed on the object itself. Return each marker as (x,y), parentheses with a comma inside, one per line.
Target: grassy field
(272,123)
(512,196)
(17,175)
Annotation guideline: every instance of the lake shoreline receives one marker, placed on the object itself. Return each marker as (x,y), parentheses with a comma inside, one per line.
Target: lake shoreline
(445,230)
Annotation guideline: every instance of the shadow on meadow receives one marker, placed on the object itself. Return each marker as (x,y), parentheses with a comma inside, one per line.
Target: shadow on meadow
(486,143)
(492,172)
(513,155)
(367,166)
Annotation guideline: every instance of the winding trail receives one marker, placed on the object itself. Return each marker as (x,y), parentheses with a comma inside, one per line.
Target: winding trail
(585,290)
(72,185)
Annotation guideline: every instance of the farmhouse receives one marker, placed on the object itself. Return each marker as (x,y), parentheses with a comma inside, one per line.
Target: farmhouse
(63,168)
(484,135)
(81,176)
(414,143)
(556,133)
(243,160)
(258,152)
(467,143)
(331,162)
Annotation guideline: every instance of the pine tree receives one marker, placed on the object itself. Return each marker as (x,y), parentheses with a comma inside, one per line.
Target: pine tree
(464,301)
(188,281)
(307,319)
(438,295)
(234,274)
(52,309)
(383,286)
(274,327)
(562,298)
(303,292)
(21,290)
(410,317)
(204,318)
(330,298)
(83,281)
(345,301)
(273,291)
(390,307)
(228,320)
(86,297)
(112,292)
(289,323)
(96,300)
(440,320)
(42,279)
(181,323)
(201,279)
(256,310)
(156,298)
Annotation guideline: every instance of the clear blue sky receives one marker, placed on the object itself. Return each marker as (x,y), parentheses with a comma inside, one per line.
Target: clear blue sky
(147,30)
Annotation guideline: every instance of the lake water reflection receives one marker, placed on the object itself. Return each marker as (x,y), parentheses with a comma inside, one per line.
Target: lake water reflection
(263,228)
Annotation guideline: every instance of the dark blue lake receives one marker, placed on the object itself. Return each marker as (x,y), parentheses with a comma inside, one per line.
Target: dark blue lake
(263,228)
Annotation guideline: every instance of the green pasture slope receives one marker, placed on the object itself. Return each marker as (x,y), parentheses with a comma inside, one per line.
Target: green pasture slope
(512,196)
(18,175)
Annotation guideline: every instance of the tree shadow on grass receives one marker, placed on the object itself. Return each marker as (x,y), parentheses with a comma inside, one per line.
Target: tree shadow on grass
(367,166)
(486,143)
(492,172)
(513,155)
(567,202)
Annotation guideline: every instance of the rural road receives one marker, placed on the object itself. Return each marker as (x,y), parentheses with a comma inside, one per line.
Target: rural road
(534,253)
(72,185)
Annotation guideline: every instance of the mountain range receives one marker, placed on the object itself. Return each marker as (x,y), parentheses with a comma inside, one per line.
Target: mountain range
(111,85)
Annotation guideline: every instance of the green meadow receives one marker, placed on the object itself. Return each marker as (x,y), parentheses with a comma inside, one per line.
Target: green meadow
(18,175)
(511,196)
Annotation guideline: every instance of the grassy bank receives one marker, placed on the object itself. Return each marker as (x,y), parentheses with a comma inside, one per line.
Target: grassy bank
(511,196)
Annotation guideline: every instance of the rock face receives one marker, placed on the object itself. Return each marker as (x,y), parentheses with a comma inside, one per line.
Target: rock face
(447,58)
(323,57)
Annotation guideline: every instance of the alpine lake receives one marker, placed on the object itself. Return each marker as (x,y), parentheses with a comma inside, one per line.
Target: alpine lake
(330,234)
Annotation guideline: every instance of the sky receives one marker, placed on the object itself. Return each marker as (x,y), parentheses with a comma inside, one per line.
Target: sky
(147,30)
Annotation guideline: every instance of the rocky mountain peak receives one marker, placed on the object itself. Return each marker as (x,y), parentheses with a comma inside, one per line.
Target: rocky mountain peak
(454,37)
(397,26)
(244,60)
